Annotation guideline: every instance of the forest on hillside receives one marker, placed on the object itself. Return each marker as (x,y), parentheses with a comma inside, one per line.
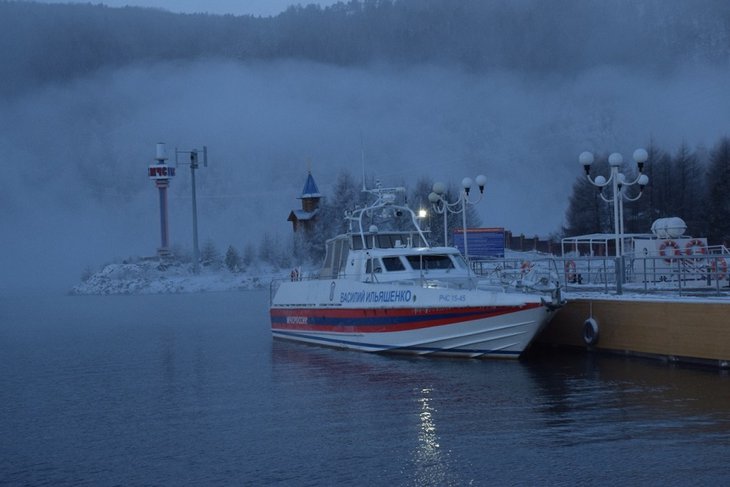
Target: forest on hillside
(41,43)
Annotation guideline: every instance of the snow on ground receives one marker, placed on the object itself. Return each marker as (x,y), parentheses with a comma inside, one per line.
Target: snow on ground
(652,296)
(150,276)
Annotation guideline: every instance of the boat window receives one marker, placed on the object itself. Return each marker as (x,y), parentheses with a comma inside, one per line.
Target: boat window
(430,262)
(387,240)
(460,263)
(327,266)
(336,258)
(342,248)
(393,264)
(373,265)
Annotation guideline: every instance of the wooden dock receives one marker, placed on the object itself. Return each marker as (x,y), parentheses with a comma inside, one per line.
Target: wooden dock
(683,331)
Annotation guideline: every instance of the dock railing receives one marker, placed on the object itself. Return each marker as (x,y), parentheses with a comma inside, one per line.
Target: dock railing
(697,274)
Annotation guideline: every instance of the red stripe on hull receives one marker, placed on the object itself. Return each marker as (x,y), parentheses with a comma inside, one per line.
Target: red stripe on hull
(371,320)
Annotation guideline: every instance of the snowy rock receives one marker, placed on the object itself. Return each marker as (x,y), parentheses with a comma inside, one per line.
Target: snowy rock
(150,276)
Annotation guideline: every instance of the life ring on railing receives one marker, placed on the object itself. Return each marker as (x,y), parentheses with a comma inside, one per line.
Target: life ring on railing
(697,244)
(294,275)
(570,270)
(665,253)
(590,331)
(526,266)
(718,267)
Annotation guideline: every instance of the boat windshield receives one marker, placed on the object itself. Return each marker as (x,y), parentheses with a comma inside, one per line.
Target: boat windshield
(388,241)
(460,262)
(430,262)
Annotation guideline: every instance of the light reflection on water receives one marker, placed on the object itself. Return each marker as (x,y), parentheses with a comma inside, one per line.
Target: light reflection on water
(192,390)
(430,463)
(548,418)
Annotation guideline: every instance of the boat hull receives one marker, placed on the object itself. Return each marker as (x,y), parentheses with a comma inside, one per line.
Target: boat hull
(468,330)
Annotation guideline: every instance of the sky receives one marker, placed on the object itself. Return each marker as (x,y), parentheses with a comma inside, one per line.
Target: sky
(235,7)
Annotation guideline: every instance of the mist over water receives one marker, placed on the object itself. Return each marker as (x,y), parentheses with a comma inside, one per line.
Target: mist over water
(74,191)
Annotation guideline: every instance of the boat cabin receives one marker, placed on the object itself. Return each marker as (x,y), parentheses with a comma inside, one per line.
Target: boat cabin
(389,256)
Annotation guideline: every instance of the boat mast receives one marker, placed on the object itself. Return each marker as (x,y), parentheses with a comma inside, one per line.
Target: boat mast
(384,198)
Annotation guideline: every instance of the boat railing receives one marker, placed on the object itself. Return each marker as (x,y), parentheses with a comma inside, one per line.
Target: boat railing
(538,274)
(275,283)
(479,282)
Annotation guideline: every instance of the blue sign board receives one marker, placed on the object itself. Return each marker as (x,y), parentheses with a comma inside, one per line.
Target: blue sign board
(482,242)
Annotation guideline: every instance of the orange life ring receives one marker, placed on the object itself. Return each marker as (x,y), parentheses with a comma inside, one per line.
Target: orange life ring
(697,244)
(663,252)
(570,270)
(719,268)
(526,266)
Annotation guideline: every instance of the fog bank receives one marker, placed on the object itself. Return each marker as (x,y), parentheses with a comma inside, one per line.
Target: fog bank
(75,191)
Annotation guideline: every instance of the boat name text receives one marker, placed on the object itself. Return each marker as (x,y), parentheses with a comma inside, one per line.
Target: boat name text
(393,296)
(296,320)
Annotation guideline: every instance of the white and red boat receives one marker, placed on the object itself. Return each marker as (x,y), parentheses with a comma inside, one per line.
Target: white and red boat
(389,291)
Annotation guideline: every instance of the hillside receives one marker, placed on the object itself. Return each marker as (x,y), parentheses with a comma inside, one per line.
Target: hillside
(42,43)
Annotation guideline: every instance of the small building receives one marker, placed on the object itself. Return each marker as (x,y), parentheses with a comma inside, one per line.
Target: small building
(306,216)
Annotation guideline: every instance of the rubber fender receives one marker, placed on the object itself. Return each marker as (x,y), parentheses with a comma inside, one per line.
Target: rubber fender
(590,331)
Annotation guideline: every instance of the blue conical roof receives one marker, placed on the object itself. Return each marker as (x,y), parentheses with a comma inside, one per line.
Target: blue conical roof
(310,188)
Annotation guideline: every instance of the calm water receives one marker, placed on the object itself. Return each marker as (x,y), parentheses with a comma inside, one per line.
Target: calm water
(191,390)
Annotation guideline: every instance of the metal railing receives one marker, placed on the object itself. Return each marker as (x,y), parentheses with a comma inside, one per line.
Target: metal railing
(698,274)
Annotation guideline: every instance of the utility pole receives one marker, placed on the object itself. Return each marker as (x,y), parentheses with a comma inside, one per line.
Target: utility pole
(193,166)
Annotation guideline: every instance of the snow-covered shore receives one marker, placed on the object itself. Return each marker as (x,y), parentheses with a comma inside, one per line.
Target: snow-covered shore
(153,277)
(150,276)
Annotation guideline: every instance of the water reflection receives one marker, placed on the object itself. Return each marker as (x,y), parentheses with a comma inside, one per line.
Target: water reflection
(383,401)
(423,411)
(598,398)
(454,422)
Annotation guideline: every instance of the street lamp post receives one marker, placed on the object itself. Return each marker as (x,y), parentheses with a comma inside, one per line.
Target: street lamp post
(618,184)
(442,206)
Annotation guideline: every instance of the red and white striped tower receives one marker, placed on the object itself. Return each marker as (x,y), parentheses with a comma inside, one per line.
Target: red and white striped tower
(161,174)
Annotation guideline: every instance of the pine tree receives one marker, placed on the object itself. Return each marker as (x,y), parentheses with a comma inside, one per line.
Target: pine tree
(587,212)
(267,249)
(430,224)
(283,257)
(718,203)
(249,254)
(232,260)
(209,255)
(637,214)
(583,215)
(688,188)
(658,195)
(346,195)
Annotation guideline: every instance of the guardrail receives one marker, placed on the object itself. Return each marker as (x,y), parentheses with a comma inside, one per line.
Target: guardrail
(682,274)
